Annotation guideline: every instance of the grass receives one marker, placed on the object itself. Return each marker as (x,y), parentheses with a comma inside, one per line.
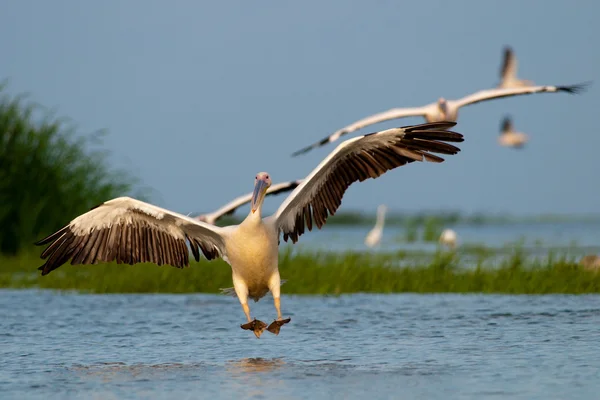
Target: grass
(321,273)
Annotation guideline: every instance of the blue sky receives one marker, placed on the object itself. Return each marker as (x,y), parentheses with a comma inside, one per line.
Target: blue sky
(199,96)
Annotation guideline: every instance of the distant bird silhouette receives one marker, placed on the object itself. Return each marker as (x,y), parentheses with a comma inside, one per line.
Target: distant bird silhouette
(509,137)
(448,238)
(373,238)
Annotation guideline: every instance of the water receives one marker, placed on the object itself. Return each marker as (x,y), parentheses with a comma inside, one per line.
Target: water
(585,235)
(58,346)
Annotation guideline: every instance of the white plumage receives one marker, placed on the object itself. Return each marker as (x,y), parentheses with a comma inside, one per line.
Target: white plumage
(449,238)
(373,238)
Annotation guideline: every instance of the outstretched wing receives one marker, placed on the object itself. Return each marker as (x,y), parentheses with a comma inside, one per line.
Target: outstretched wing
(509,65)
(233,205)
(357,159)
(394,113)
(131,231)
(491,94)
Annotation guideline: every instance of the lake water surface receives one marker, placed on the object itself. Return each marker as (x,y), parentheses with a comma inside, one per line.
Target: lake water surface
(58,346)
(585,235)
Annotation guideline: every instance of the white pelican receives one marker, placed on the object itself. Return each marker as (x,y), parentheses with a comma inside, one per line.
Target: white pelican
(509,137)
(508,72)
(591,262)
(441,110)
(448,238)
(233,205)
(373,238)
(131,231)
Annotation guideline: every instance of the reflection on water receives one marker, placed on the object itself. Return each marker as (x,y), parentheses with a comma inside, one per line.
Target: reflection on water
(57,346)
(254,376)
(116,370)
(249,365)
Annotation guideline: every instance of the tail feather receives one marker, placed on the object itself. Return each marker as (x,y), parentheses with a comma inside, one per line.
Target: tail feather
(231,291)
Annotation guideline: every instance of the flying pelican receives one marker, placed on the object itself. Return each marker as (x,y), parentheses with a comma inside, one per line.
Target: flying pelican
(373,238)
(448,238)
(229,208)
(131,231)
(508,72)
(441,110)
(509,137)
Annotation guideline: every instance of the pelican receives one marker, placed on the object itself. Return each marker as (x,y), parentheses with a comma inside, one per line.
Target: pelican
(131,231)
(229,208)
(509,137)
(590,262)
(373,238)
(448,238)
(508,72)
(441,110)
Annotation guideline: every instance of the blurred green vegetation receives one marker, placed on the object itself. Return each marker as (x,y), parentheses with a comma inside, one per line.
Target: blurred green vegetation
(49,173)
(325,273)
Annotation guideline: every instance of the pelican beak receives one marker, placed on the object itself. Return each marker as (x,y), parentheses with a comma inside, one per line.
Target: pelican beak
(260,189)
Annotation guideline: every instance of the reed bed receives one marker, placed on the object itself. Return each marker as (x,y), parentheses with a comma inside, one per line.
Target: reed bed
(320,273)
(49,172)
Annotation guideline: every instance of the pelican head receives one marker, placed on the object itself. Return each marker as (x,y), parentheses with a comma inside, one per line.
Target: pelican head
(443,106)
(262,182)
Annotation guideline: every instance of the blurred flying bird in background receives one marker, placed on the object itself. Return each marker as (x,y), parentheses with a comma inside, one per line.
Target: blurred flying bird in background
(442,110)
(229,208)
(509,137)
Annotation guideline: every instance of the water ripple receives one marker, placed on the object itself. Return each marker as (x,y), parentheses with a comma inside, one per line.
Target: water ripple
(383,346)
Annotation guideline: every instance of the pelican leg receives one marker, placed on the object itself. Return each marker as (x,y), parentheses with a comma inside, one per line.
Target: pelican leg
(255,325)
(247,311)
(276,325)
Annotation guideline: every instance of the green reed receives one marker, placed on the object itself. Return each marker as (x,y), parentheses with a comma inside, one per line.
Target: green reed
(322,273)
(49,173)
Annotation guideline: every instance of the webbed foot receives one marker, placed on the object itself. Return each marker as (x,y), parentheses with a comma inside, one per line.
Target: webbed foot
(275,326)
(256,326)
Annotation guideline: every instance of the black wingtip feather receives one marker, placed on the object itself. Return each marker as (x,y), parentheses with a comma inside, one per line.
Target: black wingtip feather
(301,151)
(575,89)
(51,237)
(287,188)
(368,158)
(440,125)
(446,136)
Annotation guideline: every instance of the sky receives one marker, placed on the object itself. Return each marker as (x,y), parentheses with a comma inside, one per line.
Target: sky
(197,97)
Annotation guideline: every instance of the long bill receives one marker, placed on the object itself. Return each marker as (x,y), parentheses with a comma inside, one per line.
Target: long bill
(258,196)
